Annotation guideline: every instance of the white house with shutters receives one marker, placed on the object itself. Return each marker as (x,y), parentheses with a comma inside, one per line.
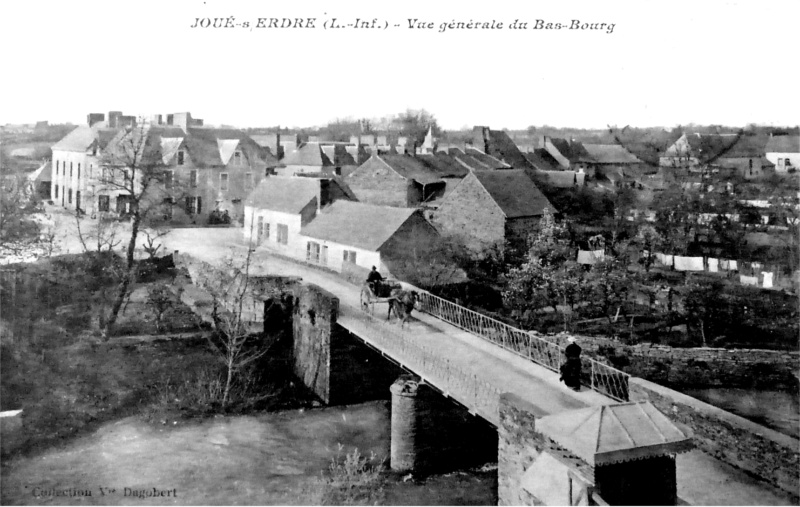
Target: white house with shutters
(280,206)
(784,152)
(351,236)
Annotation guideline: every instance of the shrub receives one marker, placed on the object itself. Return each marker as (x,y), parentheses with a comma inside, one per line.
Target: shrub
(352,480)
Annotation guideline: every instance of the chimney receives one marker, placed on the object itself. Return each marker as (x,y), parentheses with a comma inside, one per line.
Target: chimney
(278,147)
(182,120)
(93,118)
(113,119)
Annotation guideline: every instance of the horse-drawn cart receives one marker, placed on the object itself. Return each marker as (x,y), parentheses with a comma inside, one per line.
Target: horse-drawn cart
(377,292)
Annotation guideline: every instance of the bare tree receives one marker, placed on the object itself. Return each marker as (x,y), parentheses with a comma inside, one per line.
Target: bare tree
(132,168)
(237,346)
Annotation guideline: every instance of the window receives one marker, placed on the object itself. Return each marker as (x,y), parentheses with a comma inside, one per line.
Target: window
(191,205)
(248,178)
(349,256)
(193,179)
(199,205)
(69,196)
(77,199)
(70,169)
(103,203)
(260,230)
(104,175)
(283,234)
(180,157)
(91,171)
(266,230)
(56,191)
(57,163)
(312,251)
(168,178)
(79,171)
(237,158)
(167,205)
(223,181)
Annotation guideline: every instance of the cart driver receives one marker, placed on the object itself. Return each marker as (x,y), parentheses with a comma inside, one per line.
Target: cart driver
(374,279)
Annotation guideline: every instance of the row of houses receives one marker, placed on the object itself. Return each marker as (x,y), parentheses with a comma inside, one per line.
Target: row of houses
(330,203)
(203,168)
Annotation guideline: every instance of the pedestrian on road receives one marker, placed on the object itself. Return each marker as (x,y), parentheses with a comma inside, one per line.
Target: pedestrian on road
(571,369)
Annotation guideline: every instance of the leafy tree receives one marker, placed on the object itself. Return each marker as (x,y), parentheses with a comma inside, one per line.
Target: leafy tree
(609,285)
(705,308)
(650,239)
(547,277)
(676,218)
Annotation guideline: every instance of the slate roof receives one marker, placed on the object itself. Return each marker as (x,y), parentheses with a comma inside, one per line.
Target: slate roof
(43,174)
(515,192)
(204,145)
(310,154)
(574,151)
(610,154)
(542,163)
(783,144)
(444,165)
(616,433)
(411,168)
(338,154)
(503,148)
(488,161)
(207,147)
(747,147)
(356,224)
(81,138)
(284,194)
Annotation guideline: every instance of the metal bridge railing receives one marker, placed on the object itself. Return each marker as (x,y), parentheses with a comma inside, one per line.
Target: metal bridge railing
(475,393)
(600,377)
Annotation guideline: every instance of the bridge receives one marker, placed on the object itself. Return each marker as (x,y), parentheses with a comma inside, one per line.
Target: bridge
(483,364)
(501,374)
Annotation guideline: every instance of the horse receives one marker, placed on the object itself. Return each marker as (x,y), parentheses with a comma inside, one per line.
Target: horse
(402,302)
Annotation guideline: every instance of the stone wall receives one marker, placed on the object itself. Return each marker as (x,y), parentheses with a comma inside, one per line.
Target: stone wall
(519,446)
(314,319)
(696,367)
(470,211)
(770,455)
(375,182)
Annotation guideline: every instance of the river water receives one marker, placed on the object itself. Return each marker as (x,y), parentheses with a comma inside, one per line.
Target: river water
(775,409)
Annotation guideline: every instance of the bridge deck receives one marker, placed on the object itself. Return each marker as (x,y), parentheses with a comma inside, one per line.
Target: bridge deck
(702,479)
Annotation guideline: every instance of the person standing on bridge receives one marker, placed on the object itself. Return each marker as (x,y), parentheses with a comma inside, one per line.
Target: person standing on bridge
(571,369)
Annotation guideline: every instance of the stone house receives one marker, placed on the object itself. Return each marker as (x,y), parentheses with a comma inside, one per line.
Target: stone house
(395,180)
(280,206)
(569,153)
(492,208)
(499,145)
(726,153)
(198,169)
(305,158)
(784,153)
(75,162)
(352,236)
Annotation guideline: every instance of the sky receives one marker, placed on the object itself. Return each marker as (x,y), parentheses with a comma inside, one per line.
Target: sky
(665,63)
